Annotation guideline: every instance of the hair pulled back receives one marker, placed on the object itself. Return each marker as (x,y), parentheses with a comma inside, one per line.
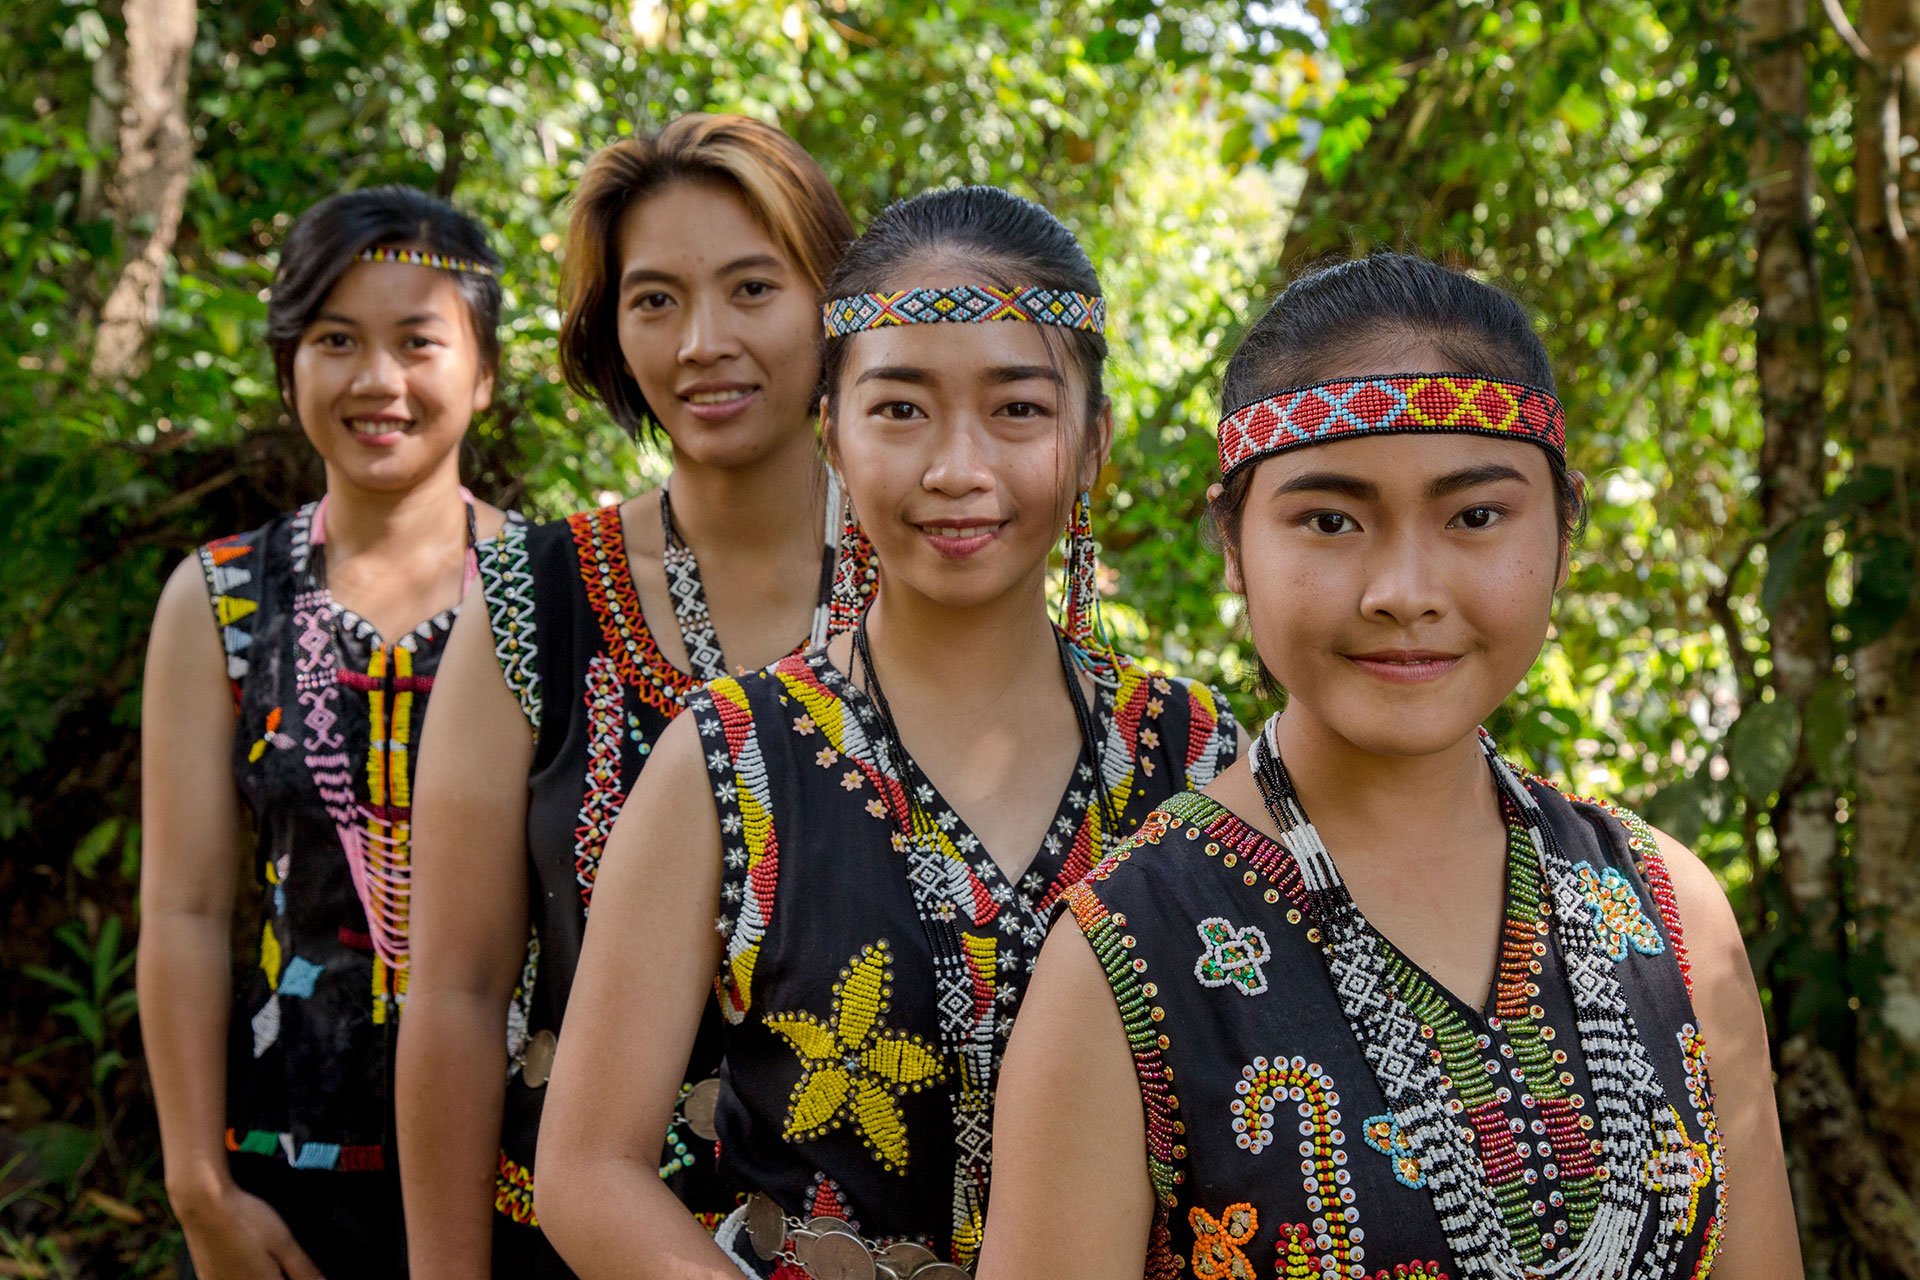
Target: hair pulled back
(325,242)
(1335,318)
(997,238)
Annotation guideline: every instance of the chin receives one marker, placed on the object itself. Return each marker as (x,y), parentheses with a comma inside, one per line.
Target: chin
(727,445)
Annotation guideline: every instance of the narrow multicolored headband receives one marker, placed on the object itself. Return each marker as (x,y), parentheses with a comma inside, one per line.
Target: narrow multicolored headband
(964,304)
(421,258)
(1398,405)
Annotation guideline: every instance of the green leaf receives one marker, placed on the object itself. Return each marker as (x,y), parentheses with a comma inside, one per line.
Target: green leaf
(94,846)
(1882,589)
(1760,748)
(1787,559)
(1829,728)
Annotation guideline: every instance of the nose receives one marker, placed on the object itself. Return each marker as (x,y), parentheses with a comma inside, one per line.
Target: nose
(1404,583)
(709,334)
(961,463)
(379,374)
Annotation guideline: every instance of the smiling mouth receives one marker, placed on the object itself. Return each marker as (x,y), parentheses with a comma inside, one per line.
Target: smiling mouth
(377,426)
(728,396)
(1408,667)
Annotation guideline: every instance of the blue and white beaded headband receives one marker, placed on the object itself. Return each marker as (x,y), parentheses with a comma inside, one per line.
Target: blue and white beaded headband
(421,258)
(964,304)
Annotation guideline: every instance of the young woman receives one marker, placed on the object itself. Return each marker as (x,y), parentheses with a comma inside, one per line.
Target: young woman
(1376,1003)
(287,679)
(693,268)
(879,825)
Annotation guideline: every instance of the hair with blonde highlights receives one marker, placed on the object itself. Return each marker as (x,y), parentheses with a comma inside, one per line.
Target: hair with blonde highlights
(783,187)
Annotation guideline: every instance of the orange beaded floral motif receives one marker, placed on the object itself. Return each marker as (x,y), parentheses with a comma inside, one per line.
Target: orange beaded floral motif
(855,1067)
(1217,1254)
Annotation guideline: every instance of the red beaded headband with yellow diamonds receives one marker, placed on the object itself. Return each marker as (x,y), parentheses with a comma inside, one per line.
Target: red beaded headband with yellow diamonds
(964,304)
(1397,405)
(421,258)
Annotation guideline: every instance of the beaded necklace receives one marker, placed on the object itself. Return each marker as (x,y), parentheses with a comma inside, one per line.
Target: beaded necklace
(1423,1056)
(939,885)
(376,845)
(689,595)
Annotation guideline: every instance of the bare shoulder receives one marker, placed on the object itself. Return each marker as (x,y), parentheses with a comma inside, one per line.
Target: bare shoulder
(488,520)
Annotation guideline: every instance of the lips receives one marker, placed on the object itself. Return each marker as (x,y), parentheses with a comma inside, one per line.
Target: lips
(717,401)
(958,539)
(1405,666)
(380,430)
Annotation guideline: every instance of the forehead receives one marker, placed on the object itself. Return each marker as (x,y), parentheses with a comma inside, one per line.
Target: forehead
(691,228)
(1403,465)
(961,352)
(386,292)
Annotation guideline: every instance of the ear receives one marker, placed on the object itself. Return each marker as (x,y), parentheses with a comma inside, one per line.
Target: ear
(1579,481)
(483,392)
(1235,582)
(829,438)
(1095,458)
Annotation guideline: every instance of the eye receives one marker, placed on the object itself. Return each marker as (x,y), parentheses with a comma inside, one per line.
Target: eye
(333,340)
(896,410)
(1330,522)
(420,342)
(1026,409)
(1479,517)
(756,289)
(655,301)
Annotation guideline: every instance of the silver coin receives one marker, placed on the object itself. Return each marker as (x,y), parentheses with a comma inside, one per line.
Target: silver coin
(942,1271)
(698,1108)
(839,1256)
(766,1225)
(906,1258)
(536,1067)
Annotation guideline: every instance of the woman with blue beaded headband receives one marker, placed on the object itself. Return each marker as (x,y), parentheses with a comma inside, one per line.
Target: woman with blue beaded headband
(692,276)
(287,679)
(878,827)
(1449,1025)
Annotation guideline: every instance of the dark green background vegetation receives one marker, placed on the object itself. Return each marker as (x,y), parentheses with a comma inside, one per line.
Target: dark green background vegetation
(1711,208)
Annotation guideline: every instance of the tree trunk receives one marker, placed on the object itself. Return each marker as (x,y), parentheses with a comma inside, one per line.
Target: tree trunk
(1884,431)
(150,182)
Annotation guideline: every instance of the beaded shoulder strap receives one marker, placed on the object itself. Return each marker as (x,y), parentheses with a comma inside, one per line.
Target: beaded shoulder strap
(506,583)
(233,568)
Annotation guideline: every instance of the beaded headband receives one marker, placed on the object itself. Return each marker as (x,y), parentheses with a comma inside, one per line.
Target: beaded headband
(964,304)
(1401,404)
(421,258)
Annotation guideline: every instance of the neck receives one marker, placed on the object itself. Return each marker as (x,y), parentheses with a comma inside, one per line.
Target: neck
(430,514)
(753,509)
(993,647)
(1410,803)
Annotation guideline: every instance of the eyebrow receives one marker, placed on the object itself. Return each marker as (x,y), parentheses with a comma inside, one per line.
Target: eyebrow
(1367,491)
(334,317)
(649,275)
(920,376)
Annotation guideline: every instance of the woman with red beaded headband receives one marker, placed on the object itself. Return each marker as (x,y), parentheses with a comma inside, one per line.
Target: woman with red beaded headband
(287,680)
(879,825)
(1449,1025)
(692,276)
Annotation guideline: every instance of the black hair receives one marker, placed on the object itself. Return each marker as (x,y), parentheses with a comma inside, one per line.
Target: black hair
(1381,306)
(326,240)
(1004,240)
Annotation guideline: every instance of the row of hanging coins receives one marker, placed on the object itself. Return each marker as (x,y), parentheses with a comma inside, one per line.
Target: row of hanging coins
(827,1249)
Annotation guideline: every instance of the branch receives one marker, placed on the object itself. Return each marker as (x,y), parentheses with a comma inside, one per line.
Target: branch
(1848,36)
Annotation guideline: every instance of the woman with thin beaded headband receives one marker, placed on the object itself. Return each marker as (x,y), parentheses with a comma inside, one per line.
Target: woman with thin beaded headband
(881,824)
(287,680)
(692,276)
(1376,1002)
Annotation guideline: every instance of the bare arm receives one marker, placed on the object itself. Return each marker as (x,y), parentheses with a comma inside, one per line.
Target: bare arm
(191,840)
(1759,1237)
(628,1037)
(468,930)
(1068,1114)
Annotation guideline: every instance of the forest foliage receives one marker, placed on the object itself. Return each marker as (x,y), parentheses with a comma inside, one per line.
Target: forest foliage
(1617,165)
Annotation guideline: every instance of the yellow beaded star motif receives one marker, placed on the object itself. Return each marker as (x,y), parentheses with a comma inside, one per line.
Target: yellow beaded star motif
(856,1067)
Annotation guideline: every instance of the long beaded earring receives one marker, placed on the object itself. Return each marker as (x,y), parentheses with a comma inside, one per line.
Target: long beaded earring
(1081,598)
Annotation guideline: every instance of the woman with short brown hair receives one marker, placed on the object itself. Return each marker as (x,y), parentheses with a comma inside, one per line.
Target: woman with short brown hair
(693,266)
